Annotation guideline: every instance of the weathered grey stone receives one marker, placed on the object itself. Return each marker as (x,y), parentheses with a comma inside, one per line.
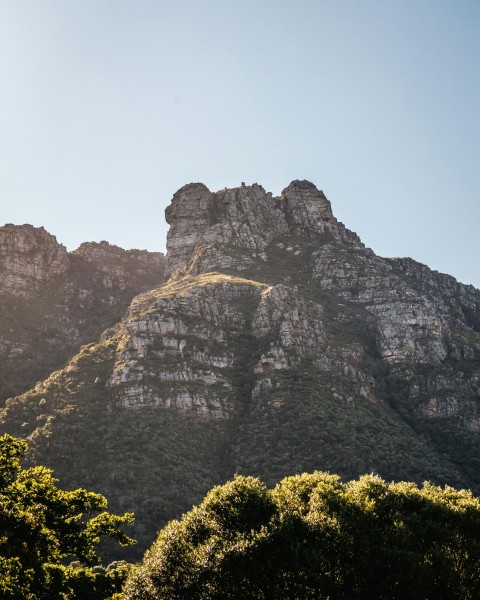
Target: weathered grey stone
(232,228)
(30,258)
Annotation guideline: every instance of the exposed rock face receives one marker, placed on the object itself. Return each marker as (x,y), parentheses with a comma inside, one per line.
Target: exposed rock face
(221,326)
(29,259)
(412,325)
(233,227)
(278,344)
(123,268)
(53,301)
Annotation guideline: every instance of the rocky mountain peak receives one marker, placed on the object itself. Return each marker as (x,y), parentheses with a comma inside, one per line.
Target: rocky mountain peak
(30,257)
(122,268)
(306,204)
(233,228)
(100,253)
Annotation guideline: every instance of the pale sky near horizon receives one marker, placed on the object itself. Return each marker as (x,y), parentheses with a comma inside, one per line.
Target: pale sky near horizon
(107,107)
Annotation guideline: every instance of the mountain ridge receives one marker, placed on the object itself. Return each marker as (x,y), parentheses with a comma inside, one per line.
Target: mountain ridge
(54,301)
(277,344)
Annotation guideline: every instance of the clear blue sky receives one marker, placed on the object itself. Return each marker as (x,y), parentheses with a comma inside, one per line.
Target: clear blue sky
(107,107)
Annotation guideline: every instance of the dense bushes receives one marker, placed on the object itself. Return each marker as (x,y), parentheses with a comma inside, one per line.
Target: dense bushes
(314,536)
(42,528)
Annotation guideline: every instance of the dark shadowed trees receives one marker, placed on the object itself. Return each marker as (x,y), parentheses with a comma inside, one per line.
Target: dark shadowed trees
(314,536)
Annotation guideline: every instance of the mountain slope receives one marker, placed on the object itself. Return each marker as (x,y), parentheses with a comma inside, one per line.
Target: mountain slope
(54,301)
(279,344)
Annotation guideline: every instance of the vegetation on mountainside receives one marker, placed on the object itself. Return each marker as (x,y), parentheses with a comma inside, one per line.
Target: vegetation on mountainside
(42,528)
(314,536)
(319,419)
(158,462)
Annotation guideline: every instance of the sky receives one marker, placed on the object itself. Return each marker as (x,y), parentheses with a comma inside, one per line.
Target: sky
(107,107)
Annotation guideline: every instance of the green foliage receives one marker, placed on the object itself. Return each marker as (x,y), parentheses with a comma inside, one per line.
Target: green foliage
(302,425)
(42,527)
(314,536)
(157,463)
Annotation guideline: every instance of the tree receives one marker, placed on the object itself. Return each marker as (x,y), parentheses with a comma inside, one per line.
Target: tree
(314,536)
(43,527)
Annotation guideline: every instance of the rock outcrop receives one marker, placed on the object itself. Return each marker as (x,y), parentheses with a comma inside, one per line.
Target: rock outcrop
(232,228)
(189,354)
(30,258)
(123,268)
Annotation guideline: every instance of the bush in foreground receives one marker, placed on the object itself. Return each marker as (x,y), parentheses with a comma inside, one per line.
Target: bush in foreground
(314,536)
(42,528)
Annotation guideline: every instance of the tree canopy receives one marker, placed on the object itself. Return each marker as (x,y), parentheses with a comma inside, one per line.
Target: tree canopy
(314,536)
(42,528)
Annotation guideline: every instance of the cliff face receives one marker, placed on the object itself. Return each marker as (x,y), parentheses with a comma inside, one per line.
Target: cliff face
(224,334)
(232,228)
(278,344)
(419,318)
(29,259)
(123,269)
(53,301)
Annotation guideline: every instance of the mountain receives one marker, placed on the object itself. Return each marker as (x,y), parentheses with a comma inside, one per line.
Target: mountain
(277,344)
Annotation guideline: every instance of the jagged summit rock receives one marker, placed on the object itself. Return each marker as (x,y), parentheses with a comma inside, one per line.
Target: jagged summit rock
(97,251)
(233,228)
(123,268)
(307,205)
(30,258)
